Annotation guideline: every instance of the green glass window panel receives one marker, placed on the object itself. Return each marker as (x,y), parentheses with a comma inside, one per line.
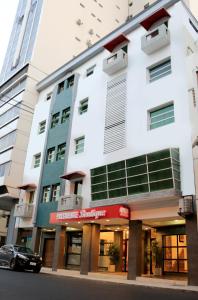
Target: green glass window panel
(177,185)
(161,185)
(117,183)
(163,116)
(99,179)
(160,175)
(136,161)
(159,165)
(137,179)
(162,111)
(116,175)
(98,171)
(162,123)
(117,193)
(161,70)
(176,174)
(137,170)
(158,155)
(138,189)
(116,166)
(99,196)
(99,187)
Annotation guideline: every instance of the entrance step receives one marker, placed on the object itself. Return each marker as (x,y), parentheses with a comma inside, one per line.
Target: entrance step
(179,282)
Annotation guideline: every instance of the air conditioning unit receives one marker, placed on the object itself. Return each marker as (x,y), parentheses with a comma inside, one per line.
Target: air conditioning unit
(186,206)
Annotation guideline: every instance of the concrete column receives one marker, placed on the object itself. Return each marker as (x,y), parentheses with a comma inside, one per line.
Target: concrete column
(12,233)
(59,248)
(36,237)
(135,249)
(118,239)
(90,248)
(192,247)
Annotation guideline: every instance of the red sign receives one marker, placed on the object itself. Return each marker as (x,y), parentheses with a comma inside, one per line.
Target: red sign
(89,214)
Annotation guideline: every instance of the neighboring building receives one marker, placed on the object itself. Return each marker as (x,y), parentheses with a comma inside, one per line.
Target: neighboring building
(110,154)
(3,227)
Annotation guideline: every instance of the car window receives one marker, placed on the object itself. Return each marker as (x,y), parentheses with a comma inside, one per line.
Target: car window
(22,249)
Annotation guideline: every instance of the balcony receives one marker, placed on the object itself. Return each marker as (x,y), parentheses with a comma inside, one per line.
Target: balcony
(155,39)
(24,210)
(116,62)
(69,202)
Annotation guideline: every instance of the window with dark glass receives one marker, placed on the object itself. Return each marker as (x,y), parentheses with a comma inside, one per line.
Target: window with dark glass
(50,155)
(61,152)
(55,120)
(46,194)
(83,107)
(55,192)
(70,81)
(65,115)
(61,87)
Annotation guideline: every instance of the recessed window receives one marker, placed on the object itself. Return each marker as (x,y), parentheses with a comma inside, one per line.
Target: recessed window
(49,97)
(55,120)
(65,115)
(83,107)
(46,194)
(55,192)
(42,127)
(90,71)
(79,145)
(162,116)
(82,5)
(50,155)
(61,87)
(99,20)
(160,70)
(61,152)
(37,160)
(130,3)
(70,81)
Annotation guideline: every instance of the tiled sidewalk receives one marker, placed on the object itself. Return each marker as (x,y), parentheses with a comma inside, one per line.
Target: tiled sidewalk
(122,279)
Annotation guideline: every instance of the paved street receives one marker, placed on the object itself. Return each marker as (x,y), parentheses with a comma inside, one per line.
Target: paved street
(25,285)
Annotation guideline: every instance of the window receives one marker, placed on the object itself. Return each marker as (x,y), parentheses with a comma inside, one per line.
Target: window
(31,197)
(61,152)
(79,145)
(55,120)
(49,97)
(90,71)
(112,58)
(70,82)
(50,155)
(193,25)
(83,107)
(37,159)
(4,169)
(46,194)
(7,141)
(61,87)
(42,127)
(162,116)
(65,115)
(10,114)
(160,70)
(55,192)
(146,5)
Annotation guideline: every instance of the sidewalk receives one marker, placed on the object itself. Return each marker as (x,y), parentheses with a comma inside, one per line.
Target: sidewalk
(122,279)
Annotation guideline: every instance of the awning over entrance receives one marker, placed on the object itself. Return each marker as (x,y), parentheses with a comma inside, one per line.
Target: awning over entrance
(27,186)
(90,214)
(73,175)
(147,23)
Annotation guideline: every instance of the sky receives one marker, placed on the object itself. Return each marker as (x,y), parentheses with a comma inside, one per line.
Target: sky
(7,14)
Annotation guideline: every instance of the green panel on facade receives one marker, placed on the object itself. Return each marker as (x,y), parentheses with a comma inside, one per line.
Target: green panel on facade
(147,173)
(44,210)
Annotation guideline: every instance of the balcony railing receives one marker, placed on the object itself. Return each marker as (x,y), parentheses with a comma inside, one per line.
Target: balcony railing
(155,39)
(115,62)
(24,210)
(69,202)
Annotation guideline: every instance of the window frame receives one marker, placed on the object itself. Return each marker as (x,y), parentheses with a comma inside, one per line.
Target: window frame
(54,189)
(65,118)
(82,138)
(90,71)
(166,61)
(158,108)
(41,128)
(59,154)
(53,123)
(36,165)
(43,192)
(83,103)
(53,155)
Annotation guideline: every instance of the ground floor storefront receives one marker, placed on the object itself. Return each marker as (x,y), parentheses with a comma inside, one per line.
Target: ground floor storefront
(149,247)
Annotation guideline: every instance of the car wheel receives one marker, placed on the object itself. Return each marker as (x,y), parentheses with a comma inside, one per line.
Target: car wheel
(36,270)
(13,264)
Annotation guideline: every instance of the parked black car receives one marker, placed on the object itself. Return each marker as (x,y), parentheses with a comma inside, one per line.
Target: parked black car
(19,257)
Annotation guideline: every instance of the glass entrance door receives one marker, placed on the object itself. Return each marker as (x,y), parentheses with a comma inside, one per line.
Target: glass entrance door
(74,250)
(175,254)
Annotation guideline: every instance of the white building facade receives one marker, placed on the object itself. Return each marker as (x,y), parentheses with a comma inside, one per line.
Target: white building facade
(126,175)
